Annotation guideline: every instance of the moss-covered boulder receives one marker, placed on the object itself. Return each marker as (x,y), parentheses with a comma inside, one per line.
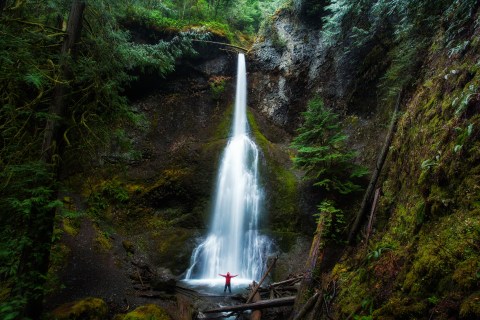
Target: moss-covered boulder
(149,311)
(85,309)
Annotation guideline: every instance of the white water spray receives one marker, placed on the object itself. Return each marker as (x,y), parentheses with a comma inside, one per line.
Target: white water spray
(234,244)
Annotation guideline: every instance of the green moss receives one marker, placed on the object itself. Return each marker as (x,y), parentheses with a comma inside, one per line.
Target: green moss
(259,137)
(102,241)
(470,307)
(85,309)
(350,301)
(284,198)
(147,312)
(401,308)
(70,226)
(222,131)
(128,246)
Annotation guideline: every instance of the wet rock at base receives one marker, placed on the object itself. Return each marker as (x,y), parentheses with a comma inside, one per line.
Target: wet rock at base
(163,280)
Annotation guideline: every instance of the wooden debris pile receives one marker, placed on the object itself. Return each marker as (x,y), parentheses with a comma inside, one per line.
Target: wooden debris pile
(274,295)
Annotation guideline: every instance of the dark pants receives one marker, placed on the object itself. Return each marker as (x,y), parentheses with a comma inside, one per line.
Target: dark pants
(229,288)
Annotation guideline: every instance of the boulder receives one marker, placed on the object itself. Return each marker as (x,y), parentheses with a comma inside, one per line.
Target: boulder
(149,311)
(85,309)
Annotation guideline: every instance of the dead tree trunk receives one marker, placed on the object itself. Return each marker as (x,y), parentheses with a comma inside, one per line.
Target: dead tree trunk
(36,253)
(315,258)
(376,174)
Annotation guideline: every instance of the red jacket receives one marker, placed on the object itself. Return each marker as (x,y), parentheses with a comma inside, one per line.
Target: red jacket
(228,277)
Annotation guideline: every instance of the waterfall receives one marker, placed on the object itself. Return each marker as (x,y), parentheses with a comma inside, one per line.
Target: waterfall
(234,243)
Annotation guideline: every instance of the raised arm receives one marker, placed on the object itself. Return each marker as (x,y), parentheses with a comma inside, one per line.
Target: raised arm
(234,276)
(223,275)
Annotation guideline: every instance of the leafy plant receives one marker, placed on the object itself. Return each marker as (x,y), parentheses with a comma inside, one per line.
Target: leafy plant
(217,86)
(334,220)
(376,253)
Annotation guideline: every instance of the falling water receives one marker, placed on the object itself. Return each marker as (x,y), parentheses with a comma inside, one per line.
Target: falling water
(234,244)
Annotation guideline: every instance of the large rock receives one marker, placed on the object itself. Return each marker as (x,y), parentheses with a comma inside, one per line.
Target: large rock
(147,312)
(85,309)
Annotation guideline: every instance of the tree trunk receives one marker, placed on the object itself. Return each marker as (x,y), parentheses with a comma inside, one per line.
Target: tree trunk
(315,258)
(256,314)
(376,174)
(35,256)
(53,135)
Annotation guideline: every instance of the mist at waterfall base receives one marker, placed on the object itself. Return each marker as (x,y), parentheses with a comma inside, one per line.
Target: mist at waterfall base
(234,243)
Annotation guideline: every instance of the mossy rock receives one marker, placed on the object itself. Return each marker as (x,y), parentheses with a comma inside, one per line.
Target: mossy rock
(147,312)
(128,246)
(85,309)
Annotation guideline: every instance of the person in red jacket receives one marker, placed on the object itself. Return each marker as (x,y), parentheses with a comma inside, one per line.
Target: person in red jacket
(227,281)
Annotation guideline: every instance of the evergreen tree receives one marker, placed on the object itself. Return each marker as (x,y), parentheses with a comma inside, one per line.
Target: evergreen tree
(322,152)
(323,155)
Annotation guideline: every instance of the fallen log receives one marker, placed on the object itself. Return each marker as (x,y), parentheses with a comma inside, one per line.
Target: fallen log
(261,281)
(280,302)
(256,314)
(307,306)
(289,281)
(242,49)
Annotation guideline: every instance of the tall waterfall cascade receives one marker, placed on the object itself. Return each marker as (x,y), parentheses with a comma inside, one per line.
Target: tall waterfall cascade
(234,243)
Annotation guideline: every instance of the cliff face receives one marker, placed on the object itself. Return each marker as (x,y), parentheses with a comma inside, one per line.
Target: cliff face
(291,63)
(421,261)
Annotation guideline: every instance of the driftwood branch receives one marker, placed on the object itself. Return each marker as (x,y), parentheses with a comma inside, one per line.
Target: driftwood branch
(263,304)
(223,44)
(376,173)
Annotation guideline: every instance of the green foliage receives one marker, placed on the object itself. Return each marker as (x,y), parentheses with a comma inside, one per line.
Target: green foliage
(322,152)
(404,27)
(323,155)
(218,16)
(217,86)
(376,253)
(105,195)
(27,191)
(31,68)
(333,219)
